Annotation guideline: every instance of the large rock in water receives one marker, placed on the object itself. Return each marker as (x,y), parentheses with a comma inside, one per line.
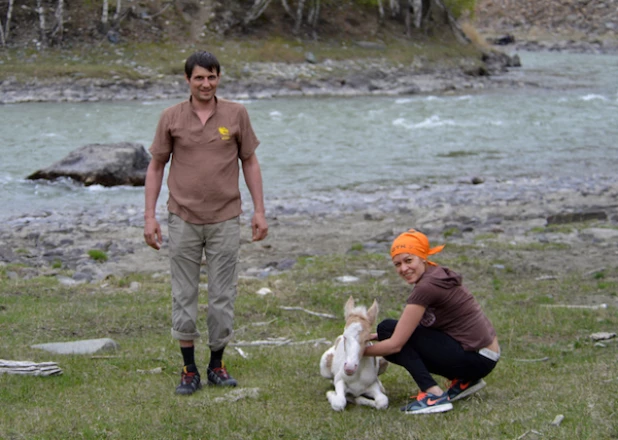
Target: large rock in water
(124,163)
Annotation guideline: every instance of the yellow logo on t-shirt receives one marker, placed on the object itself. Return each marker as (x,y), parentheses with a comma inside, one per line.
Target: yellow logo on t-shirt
(225,133)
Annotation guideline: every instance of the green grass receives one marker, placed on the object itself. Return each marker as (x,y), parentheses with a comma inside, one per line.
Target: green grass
(97,255)
(135,61)
(108,397)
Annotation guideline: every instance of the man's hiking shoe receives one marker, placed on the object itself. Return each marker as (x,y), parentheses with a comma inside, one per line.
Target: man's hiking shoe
(459,390)
(189,381)
(220,377)
(427,403)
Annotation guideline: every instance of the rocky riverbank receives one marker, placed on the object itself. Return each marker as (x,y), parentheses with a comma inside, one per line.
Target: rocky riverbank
(271,80)
(544,228)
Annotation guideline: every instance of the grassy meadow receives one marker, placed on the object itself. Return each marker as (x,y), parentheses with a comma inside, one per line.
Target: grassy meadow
(550,365)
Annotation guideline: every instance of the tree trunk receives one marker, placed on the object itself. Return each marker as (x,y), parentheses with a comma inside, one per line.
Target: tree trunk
(59,14)
(105,13)
(314,13)
(299,16)
(258,8)
(417,7)
(2,40)
(41,11)
(450,21)
(408,20)
(7,26)
(285,5)
(118,8)
(395,8)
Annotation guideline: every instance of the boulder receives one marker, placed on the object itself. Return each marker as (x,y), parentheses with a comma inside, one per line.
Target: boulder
(122,163)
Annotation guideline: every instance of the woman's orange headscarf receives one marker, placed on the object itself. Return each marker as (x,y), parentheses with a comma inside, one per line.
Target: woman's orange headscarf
(415,243)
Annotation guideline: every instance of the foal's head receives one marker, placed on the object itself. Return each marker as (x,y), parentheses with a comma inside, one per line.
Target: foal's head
(358,324)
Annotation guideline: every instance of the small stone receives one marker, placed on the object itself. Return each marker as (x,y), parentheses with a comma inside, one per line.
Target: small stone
(601,336)
(557,420)
(347,279)
(264,291)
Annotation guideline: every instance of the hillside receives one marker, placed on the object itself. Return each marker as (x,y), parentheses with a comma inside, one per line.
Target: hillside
(199,21)
(590,25)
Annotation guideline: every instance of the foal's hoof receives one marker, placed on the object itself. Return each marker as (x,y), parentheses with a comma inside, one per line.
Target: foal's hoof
(336,402)
(382,402)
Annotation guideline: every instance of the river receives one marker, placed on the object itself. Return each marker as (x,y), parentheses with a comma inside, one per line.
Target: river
(559,128)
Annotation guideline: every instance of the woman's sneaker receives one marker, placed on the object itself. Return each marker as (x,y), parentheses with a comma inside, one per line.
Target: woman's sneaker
(459,390)
(189,380)
(219,376)
(427,403)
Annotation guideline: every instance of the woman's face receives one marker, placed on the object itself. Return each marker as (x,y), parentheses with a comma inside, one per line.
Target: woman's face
(409,267)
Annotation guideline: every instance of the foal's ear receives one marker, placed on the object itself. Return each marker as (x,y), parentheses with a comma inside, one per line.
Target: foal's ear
(372,313)
(349,305)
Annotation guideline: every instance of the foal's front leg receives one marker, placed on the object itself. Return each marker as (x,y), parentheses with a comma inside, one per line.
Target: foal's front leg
(337,398)
(377,399)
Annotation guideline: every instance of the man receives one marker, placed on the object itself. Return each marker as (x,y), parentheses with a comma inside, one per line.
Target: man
(205,137)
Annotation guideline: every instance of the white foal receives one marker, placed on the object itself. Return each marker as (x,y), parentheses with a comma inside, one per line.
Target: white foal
(354,376)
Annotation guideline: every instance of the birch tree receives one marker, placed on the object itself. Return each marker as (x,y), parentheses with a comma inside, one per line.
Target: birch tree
(314,15)
(105,13)
(258,8)
(42,26)
(285,5)
(395,8)
(417,8)
(443,13)
(59,14)
(4,32)
(299,16)
(118,8)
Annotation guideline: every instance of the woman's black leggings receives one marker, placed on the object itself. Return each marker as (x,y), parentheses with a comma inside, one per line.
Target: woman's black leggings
(432,351)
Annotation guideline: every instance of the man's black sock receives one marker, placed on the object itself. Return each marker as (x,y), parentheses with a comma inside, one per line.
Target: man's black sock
(188,355)
(215,359)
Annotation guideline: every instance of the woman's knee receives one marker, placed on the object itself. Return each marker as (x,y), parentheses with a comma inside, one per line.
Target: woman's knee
(386,328)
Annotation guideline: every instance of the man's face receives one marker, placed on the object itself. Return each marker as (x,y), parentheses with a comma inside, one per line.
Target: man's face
(203,84)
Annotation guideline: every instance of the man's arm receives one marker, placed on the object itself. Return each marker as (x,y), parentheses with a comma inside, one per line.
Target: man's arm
(253,178)
(154,180)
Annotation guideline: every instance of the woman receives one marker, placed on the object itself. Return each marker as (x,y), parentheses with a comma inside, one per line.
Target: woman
(442,330)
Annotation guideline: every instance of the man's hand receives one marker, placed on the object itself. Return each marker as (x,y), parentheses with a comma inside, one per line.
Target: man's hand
(152,233)
(259,226)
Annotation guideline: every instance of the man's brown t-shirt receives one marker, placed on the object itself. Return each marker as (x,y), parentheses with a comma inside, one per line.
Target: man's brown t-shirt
(204,171)
(451,308)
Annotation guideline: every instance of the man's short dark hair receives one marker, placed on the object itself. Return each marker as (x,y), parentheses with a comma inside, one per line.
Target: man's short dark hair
(203,59)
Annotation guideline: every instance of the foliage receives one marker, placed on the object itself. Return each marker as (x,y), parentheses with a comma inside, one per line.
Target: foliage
(461,8)
(546,351)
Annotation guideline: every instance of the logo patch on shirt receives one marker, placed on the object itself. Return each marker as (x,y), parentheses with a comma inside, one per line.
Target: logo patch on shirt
(225,133)
(429,317)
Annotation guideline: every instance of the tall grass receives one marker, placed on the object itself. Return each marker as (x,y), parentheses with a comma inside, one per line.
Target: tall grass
(550,365)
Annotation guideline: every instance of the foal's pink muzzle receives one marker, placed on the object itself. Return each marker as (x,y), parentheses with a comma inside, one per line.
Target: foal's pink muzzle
(350,370)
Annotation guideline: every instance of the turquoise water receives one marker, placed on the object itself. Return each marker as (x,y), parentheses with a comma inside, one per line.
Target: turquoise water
(562,127)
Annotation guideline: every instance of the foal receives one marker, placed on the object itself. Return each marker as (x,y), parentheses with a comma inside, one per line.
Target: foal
(353,375)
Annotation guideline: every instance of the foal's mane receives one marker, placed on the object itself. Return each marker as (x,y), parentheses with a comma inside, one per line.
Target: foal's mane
(358,314)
